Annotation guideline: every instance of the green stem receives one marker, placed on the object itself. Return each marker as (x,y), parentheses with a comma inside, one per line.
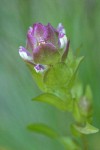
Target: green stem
(85,142)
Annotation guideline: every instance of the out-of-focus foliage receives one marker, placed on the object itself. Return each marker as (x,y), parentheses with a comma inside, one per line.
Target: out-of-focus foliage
(82,21)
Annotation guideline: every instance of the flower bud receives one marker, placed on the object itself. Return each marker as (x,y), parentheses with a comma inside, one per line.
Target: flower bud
(44,45)
(85,106)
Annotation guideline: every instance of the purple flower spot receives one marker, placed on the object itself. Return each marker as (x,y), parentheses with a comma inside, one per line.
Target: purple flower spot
(39,68)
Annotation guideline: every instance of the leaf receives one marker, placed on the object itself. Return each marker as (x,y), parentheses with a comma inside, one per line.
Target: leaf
(43,129)
(77,90)
(57,75)
(87,129)
(38,77)
(88,92)
(76,112)
(74,131)
(69,144)
(70,57)
(77,63)
(75,67)
(52,100)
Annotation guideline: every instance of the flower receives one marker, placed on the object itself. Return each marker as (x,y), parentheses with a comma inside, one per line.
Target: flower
(45,46)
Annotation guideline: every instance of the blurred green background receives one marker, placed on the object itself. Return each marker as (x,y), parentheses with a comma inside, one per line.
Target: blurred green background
(81,18)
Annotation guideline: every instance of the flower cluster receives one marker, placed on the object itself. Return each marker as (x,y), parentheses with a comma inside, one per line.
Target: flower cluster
(45,46)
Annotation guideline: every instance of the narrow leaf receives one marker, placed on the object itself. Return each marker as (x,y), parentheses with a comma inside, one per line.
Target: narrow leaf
(88,92)
(75,68)
(78,62)
(76,112)
(43,129)
(87,129)
(52,100)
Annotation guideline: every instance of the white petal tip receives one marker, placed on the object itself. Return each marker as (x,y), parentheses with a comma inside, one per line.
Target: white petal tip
(25,54)
(63,41)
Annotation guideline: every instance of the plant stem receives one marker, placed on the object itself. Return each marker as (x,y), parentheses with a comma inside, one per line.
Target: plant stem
(85,142)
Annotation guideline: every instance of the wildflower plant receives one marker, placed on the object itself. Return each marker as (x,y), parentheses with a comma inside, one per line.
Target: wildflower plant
(54,68)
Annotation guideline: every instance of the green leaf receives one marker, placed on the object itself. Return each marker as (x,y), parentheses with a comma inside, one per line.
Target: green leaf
(75,65)
(70,57)
(52,100)
(69,144)
(74,131)
(87,129)
(77,90)
(76,112)
(88,92)
(38,77)
(43,129)
(57,76)
(78,62)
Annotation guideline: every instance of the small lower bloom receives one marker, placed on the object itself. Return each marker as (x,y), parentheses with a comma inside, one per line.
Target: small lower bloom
(45,46)
(40,68)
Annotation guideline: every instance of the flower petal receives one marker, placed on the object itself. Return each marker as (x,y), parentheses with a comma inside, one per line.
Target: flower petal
(31,40)
(61,30)
(26,55)
(46,54)
(39,31)
(63,41)
(46,34)
(62,35)
(40,68)
(52,35)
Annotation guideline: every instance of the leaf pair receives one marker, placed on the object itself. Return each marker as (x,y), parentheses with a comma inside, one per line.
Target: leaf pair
(67,142)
